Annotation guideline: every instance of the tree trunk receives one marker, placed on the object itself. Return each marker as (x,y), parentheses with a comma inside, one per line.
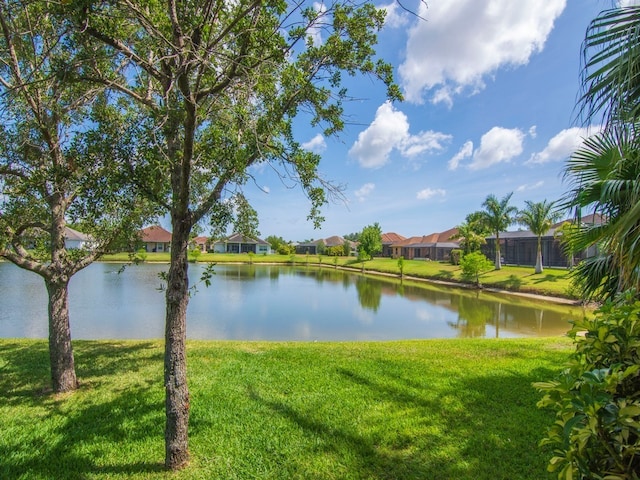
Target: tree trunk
(498,262)
(539,268)
(175,358)
(63,372)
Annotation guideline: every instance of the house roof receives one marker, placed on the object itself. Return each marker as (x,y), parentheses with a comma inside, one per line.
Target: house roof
(155,233)
(71,234)
(200,240)
(442,239)
(239,238)
(391,237)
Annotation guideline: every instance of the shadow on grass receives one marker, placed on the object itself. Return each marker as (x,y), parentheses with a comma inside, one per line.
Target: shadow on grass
(415,432)
(540,278)
(513,282)
(72,431)
(445,274)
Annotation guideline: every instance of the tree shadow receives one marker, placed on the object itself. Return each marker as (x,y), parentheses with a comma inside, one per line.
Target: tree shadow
(463,439)
(540,278)
(446,274)
(72,426)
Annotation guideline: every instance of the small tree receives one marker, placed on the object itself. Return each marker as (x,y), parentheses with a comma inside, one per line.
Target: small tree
(401,266)
(473,265)
(370,242)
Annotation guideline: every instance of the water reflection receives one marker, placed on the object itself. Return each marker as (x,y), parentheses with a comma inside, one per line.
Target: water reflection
(257,302)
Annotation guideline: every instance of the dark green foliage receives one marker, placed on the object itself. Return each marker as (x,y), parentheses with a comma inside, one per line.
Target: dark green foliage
(597,398)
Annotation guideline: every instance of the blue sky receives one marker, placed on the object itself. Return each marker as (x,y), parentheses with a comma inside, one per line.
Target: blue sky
(490,88)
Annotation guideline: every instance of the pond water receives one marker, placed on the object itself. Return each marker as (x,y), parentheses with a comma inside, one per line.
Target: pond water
(258,302)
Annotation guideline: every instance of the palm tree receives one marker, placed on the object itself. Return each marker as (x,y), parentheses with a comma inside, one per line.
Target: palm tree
(471,233)
(605,177)
(498,216)
(610,75)
(538,217)
(605,172)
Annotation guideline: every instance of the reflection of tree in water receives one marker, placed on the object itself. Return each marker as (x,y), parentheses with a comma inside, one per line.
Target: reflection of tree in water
(473,315)
(369,293)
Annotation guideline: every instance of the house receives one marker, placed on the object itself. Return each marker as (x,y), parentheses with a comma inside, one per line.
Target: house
(74,239)
(388,239)
(312,247)
(155,239)
(200,243)
(521,247)
(436,246)
(238,243)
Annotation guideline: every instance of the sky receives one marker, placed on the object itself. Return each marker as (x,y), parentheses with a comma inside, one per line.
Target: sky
(490,89)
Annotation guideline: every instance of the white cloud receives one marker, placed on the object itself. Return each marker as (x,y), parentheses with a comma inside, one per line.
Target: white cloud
(562,145)
(317,144)
(533,131)
(364,191)
(428,193)
(527,187)
(389,130)
(266,189)
(498,145)
(465,152)
(464,41)
(396,17)
(629,3)
(315,30)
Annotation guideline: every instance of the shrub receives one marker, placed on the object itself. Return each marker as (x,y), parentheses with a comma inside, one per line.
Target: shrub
(401,265)
(597,398)
(473,265)
(455,255)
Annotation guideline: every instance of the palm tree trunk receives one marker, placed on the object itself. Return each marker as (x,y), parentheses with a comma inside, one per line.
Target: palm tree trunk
(498,262)
(539,256)
(63,372)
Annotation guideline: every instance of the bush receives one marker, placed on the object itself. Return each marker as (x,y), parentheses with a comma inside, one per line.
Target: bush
(597,398)
(473,265)
(455,256)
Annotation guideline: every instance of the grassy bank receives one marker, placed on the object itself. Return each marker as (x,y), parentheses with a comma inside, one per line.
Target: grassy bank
(552,282)
(434,409)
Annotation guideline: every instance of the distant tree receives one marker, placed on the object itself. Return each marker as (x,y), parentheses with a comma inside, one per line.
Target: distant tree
(538,217)
(472,233)
(370,242)
(498,215)
(58,165)
(321,247)
(275,242)
(473,265)
(346,248)
(354,237)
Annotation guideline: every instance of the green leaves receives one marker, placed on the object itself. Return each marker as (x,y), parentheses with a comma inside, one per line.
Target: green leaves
(597,399)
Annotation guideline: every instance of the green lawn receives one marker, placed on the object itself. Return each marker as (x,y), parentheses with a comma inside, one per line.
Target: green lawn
(552,282)
(432,409)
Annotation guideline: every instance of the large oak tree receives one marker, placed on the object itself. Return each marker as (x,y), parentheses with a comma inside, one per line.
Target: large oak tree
(56,164)
(217,85)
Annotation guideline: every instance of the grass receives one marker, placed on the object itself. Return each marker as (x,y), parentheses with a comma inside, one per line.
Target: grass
(432,409)
(553,281)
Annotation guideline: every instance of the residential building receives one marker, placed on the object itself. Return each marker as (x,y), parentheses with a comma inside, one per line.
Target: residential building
(388,240)
(312,247)
(238,243)
(74,239)
(436,246)
(155,239)
(521,247)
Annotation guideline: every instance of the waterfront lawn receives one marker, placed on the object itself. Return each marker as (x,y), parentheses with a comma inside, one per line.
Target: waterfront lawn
(433,409)
(552,281)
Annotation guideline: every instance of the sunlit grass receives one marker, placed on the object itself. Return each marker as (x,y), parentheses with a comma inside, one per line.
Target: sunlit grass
(433,409)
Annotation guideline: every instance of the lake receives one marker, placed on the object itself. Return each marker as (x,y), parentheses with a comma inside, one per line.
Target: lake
(261,302)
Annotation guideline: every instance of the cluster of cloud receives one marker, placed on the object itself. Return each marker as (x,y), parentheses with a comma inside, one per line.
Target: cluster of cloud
(502,145)
(464,41)
(390,131)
